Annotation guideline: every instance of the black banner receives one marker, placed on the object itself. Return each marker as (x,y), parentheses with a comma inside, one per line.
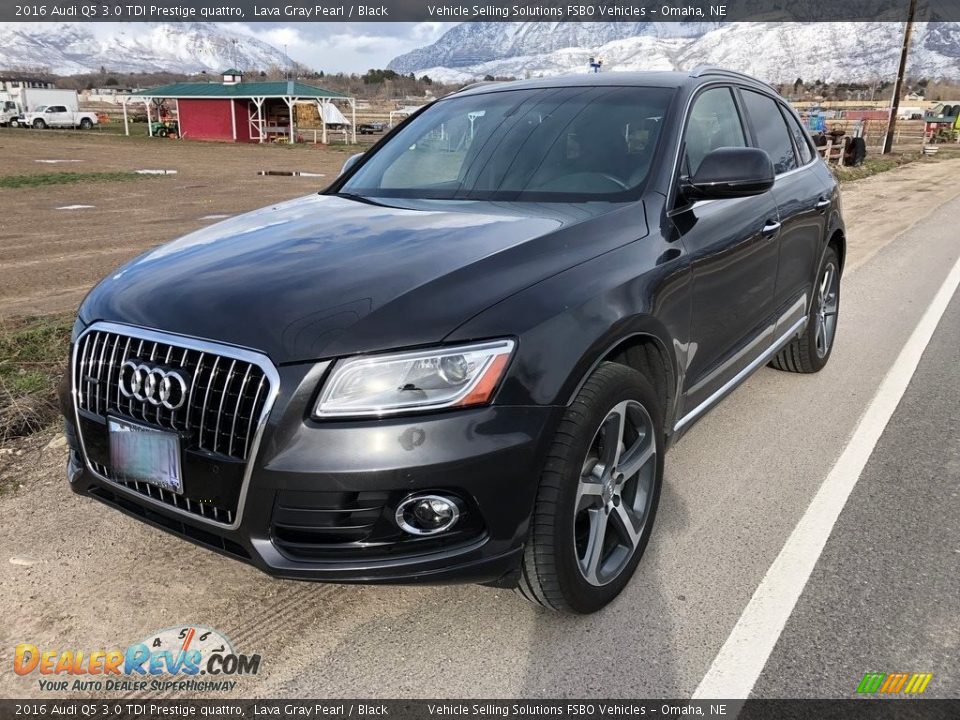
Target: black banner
(854,709)
(473,10)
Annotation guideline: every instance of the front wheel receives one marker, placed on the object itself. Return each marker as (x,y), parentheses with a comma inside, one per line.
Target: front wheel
(39,124)
(598,494)
(810,352)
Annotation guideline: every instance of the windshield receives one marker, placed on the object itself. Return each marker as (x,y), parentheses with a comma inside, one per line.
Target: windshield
(562,144)
(40,108)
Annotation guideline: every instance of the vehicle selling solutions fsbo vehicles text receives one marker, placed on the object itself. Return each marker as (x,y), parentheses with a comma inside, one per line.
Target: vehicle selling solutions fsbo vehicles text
(583,10)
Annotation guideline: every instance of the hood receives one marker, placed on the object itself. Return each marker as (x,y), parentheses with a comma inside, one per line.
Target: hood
(326,276)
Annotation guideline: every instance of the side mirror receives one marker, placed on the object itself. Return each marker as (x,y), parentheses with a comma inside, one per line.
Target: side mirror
(351,161)
(730,172)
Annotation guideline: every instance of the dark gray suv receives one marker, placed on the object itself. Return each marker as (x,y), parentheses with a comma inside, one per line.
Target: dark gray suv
(465,359)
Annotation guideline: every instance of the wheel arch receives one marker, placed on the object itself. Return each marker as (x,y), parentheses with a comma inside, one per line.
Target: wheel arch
(646,352)
(838,241)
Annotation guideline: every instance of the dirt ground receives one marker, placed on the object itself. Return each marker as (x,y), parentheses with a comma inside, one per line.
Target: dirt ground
(74,575)
(49,258)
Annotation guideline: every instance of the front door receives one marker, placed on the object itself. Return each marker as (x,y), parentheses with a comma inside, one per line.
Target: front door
(732,244)
(57,116)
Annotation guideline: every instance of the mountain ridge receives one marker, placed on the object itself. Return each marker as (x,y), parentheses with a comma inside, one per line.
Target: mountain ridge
(772,51)
(72,48)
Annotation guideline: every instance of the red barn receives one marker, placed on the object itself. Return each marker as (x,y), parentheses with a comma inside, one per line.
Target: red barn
(237,111)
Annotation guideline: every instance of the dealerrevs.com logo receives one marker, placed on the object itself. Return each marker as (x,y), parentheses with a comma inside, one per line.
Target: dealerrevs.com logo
(188,659)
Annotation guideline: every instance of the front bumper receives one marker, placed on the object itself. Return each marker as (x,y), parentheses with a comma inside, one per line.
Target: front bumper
(321,497)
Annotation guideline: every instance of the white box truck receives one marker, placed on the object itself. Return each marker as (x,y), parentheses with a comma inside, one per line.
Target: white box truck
(16,102)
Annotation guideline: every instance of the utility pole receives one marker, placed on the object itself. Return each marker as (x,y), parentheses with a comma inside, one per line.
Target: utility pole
(898,85)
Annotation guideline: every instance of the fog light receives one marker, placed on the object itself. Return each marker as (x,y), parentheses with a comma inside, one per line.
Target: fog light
(427,514)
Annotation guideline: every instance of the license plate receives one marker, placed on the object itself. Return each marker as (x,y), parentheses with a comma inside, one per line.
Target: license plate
(142,454)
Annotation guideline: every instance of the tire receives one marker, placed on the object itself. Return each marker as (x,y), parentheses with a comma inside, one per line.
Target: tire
(14,123)
(86,123)
(39,124)
(583,486)
(162,132)
(810,352)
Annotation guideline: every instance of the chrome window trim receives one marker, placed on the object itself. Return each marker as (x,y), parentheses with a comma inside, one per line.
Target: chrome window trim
(732,83)
(230,351)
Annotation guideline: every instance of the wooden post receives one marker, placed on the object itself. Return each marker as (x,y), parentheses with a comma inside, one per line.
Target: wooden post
(898,85)
(323,121)
(353,119)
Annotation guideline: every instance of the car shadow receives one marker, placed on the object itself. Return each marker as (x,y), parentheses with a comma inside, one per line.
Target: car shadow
(628,649)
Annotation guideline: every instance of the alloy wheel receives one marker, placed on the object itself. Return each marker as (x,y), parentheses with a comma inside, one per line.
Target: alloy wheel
(615,493)
(828,294)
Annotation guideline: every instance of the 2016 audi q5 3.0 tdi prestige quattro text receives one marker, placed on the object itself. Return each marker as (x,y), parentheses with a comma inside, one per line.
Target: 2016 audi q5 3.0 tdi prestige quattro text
(465,359)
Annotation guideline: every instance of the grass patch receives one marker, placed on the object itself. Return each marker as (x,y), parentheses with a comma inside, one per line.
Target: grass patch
(65,178)
(873,166)
(33,358)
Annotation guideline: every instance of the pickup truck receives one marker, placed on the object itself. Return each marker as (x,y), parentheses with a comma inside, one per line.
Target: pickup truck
(57,116)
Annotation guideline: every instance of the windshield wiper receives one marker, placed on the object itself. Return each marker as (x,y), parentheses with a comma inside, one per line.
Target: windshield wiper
(358,198)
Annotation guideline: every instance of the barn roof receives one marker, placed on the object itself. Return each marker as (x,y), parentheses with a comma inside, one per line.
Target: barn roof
(274,89)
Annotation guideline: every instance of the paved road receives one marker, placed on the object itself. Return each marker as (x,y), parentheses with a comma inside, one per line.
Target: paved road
(883,596)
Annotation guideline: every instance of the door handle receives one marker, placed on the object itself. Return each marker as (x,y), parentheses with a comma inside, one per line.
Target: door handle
(823,204)
(770,229)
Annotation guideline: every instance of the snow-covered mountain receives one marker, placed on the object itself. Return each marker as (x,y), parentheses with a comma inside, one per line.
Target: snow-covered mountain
(67,48)
(776,52)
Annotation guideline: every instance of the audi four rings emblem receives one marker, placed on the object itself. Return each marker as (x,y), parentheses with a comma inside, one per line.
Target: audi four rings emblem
(154,385)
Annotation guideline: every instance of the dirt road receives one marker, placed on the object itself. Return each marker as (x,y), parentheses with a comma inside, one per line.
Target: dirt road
(74,574)
(50,257)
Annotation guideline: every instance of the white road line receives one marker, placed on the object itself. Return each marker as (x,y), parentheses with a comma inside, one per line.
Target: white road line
(744,655)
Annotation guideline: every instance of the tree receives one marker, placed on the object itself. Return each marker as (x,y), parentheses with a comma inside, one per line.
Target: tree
(426,80)
(111,81)
(798,84)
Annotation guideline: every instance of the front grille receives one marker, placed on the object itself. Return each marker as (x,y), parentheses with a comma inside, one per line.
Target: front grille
(204,509)
(225,397)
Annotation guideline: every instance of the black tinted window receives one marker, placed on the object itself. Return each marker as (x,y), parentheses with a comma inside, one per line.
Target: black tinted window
(771,130)
(801,138)
(714,123)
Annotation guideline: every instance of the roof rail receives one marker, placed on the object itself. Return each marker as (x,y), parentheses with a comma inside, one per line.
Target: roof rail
(701,70)
(479,83)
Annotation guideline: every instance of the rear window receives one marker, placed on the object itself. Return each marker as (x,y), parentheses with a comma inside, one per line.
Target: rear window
(573,143)
(800,137)
(771,130)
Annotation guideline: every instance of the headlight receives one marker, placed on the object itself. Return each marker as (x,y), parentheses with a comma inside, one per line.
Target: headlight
(419,380)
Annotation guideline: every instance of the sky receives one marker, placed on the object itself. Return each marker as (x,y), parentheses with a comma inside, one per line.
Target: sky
(345,47)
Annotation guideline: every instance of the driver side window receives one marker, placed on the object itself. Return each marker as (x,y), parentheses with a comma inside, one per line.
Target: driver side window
(714,123)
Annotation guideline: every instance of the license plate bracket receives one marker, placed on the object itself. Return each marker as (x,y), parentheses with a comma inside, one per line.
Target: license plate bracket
(144,454)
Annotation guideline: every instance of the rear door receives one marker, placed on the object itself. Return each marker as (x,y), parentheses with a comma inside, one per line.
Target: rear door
(732,244)
(801,197)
